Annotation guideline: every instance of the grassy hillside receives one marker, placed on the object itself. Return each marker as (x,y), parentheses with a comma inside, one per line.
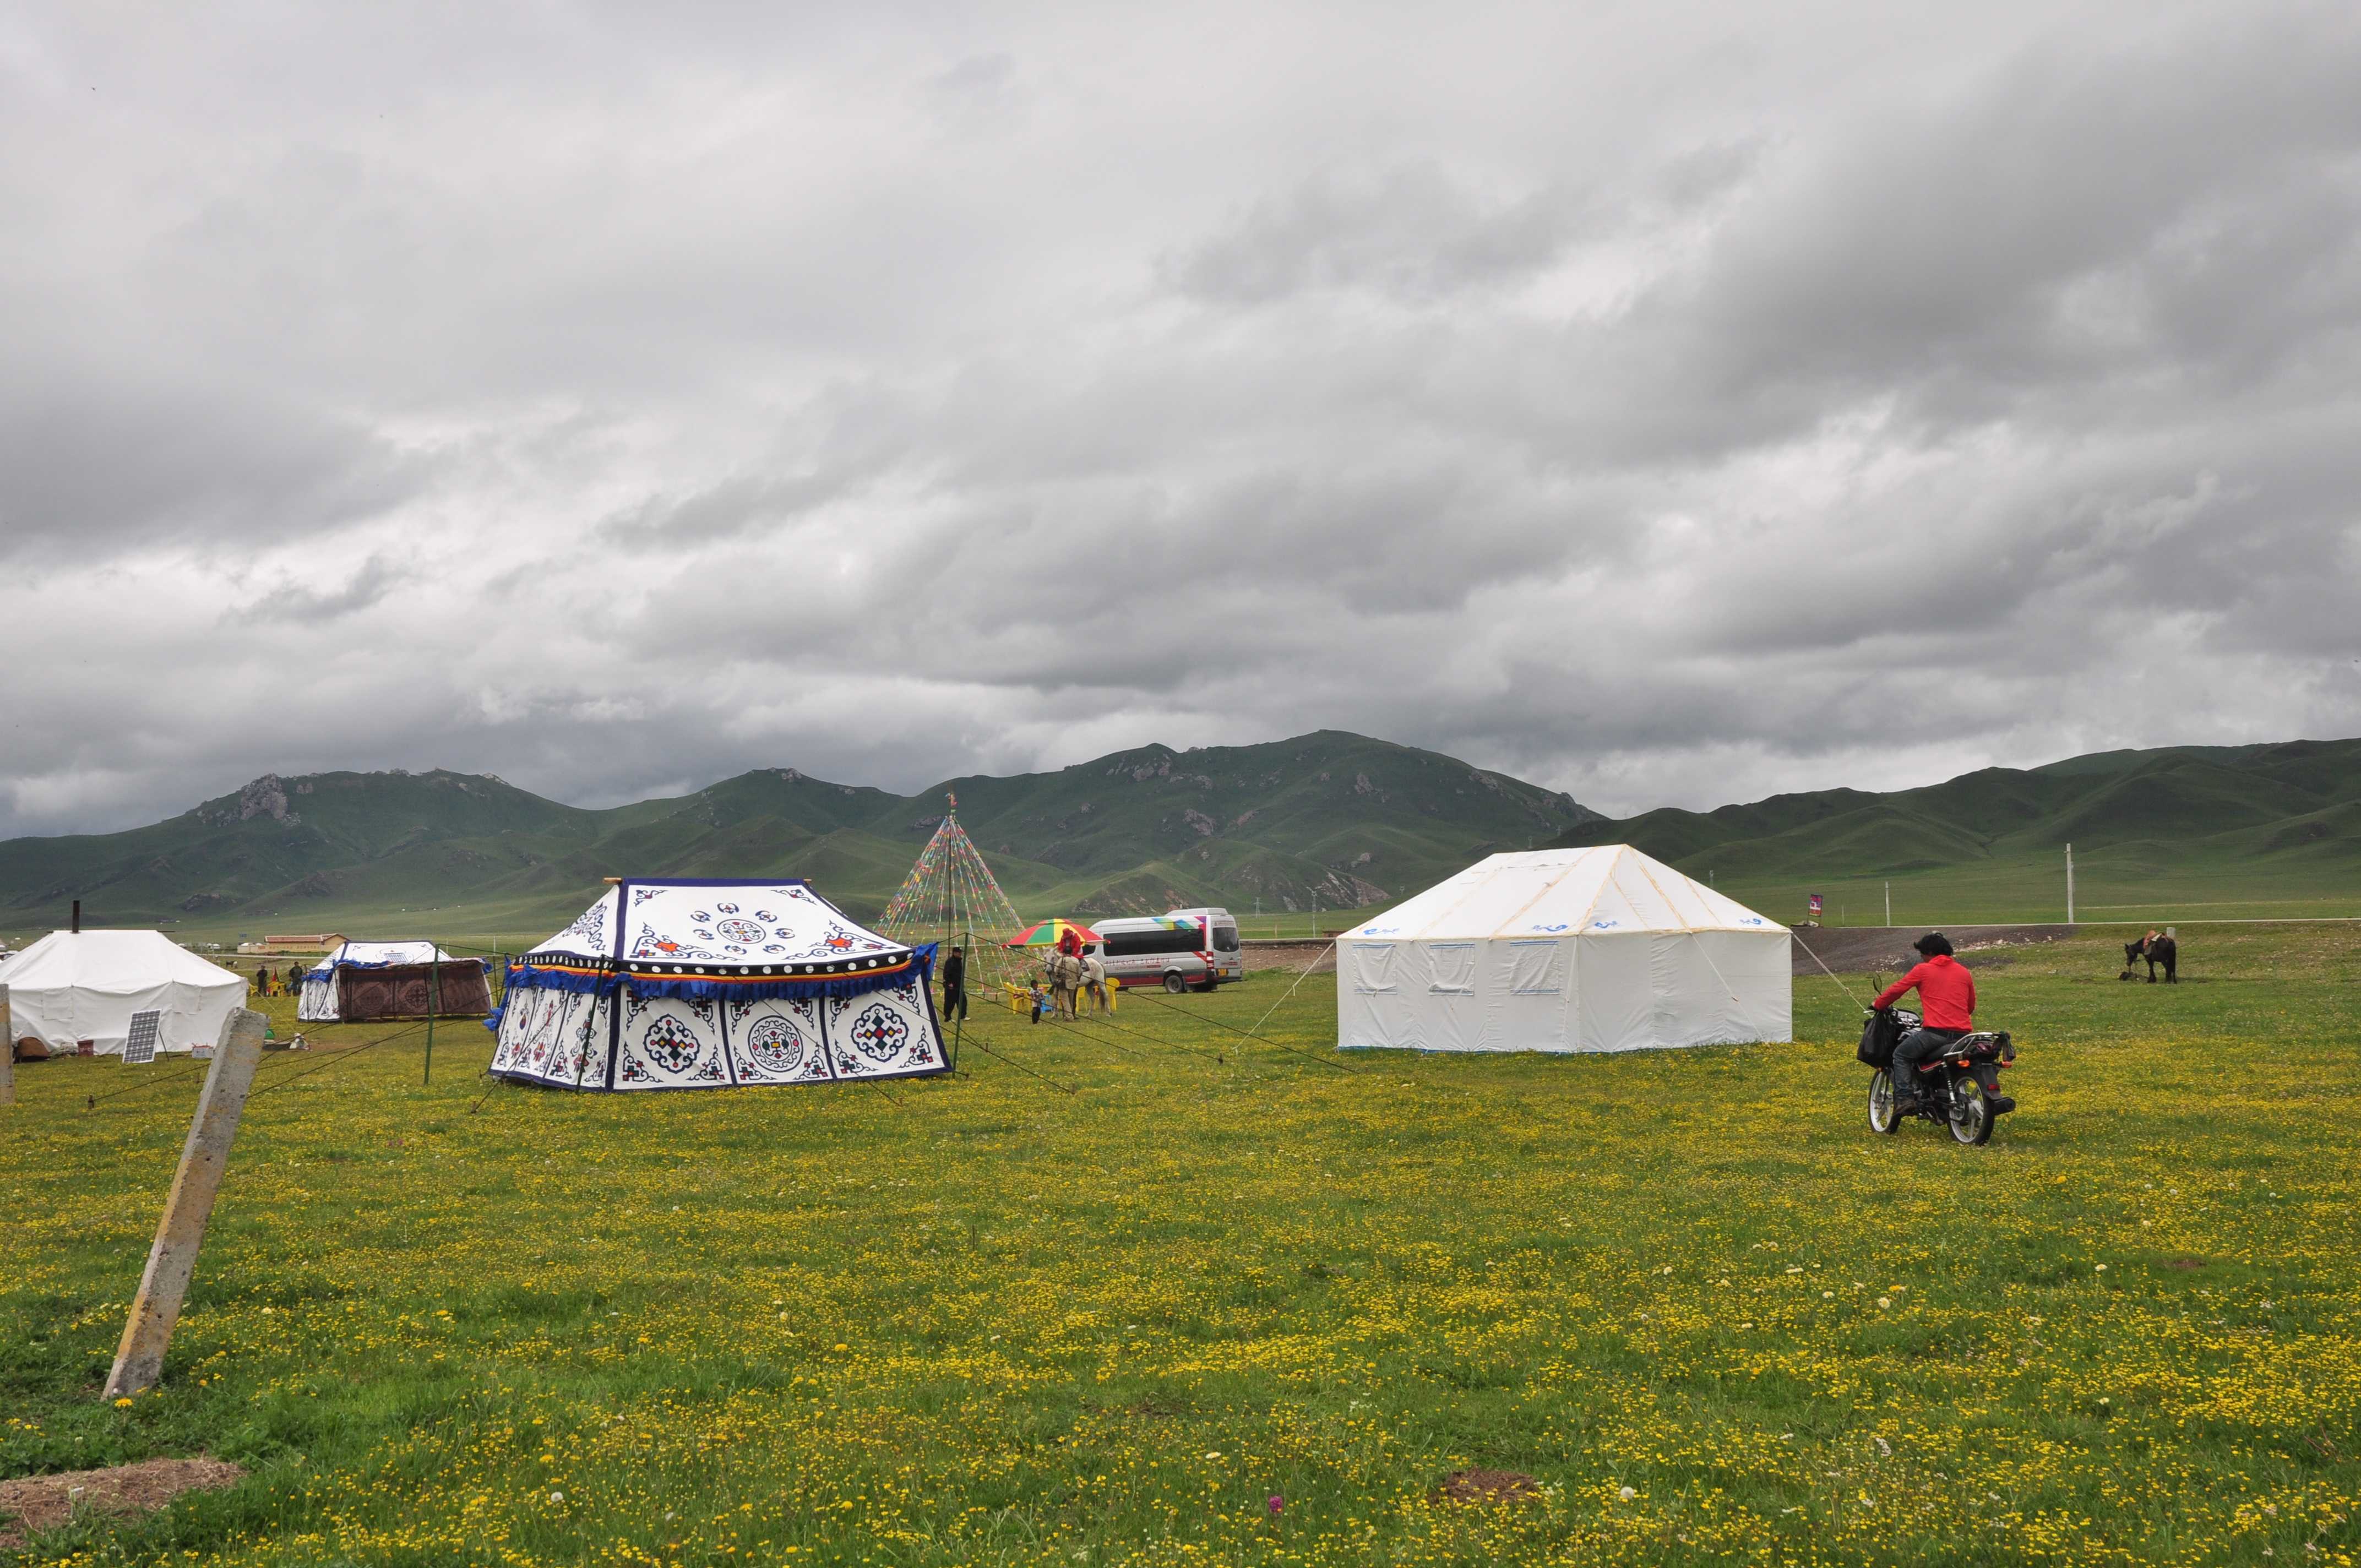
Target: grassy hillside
(1330,821)
(2196,832)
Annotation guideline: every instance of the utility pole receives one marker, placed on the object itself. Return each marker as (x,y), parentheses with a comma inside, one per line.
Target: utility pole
(2070,884)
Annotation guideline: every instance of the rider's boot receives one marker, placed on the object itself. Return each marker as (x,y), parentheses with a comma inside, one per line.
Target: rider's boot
(1905,1085)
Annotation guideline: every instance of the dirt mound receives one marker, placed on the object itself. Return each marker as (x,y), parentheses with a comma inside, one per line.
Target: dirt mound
(45,1502)
(1864,949)
(1488,1486)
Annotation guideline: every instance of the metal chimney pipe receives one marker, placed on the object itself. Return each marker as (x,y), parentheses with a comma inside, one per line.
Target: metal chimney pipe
(77,918)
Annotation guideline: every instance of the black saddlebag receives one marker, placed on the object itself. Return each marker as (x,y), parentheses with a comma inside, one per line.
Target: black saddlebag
(1878,1037)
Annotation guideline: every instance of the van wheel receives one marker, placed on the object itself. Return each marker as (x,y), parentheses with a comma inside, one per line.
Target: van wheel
(1175,985)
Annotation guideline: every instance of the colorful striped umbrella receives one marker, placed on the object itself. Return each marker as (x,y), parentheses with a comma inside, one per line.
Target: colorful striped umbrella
(1049,933)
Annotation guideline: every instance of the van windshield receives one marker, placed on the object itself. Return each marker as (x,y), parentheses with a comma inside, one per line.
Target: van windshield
(1226,938)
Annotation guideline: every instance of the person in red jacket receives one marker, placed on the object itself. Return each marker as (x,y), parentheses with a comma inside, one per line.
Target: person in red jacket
(1947,996)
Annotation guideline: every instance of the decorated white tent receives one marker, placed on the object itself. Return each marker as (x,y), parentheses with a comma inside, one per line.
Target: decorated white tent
(73,986)
(682,983)
(1588,950)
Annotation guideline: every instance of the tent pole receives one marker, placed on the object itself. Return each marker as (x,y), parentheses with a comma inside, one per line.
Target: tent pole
(433,993)
(7,1052)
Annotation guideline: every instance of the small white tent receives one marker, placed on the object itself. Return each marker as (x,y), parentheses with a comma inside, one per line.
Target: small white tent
(1588,950)
(73,986)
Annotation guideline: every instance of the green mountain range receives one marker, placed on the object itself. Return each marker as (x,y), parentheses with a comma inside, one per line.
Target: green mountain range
(1336,818)
(2226,830)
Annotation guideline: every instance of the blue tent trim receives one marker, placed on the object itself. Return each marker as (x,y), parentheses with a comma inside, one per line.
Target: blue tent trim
(602,977)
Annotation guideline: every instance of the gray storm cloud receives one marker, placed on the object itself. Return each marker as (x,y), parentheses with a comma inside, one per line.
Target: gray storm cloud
(1670,406)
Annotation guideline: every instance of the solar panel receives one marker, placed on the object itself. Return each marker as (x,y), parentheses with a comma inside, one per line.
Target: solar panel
(140,1049)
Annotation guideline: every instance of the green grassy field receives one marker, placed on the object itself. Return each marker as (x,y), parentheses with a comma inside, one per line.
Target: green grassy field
(1107,1296)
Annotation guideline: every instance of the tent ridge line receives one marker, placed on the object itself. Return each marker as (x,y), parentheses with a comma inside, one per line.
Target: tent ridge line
(1669,904)
(1541,892)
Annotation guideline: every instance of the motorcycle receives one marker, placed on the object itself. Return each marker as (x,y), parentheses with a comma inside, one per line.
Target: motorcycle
(1959,1089)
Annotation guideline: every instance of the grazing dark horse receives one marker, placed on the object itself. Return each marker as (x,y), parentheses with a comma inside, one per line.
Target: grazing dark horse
(2156,950)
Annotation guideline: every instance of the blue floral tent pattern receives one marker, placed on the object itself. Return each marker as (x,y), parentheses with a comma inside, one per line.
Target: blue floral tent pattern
(696,984)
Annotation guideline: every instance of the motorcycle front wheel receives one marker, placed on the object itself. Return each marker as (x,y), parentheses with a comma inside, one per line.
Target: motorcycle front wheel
(1971,1116)
(1882,1118)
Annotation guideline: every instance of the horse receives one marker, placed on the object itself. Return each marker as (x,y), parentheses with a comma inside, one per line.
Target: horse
(2155,950)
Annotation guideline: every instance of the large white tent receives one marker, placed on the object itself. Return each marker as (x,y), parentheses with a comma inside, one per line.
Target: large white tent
(73,986)
(1588,949)
(697,983)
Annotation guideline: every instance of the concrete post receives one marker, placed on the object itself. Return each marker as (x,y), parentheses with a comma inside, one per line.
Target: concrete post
(139,1362)
(7,1052)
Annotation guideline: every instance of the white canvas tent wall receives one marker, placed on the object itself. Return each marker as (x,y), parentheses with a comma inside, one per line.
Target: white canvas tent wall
(1588,950)
(317,1004)
(85,985)
(700,983)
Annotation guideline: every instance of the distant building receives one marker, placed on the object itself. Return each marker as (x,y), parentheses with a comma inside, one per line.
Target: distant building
(324,943)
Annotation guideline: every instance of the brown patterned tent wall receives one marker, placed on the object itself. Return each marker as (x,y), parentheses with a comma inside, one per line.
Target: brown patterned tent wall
(399,991)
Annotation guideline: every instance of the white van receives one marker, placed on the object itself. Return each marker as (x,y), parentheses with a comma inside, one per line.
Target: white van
(1183,949)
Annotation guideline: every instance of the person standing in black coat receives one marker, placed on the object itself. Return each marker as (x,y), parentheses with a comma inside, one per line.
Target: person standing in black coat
(955,983)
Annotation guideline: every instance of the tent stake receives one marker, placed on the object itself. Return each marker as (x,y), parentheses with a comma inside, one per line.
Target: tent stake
(139,1362)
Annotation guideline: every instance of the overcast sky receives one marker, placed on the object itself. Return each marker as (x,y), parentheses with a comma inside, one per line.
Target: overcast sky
(1668,402)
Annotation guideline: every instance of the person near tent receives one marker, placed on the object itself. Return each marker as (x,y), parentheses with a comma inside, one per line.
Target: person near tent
(955,983)
(1947,996)
(1065,975)
(262,980)
(1040,999)
(1094,981)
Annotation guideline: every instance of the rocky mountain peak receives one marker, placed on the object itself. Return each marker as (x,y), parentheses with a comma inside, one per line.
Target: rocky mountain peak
(266,796)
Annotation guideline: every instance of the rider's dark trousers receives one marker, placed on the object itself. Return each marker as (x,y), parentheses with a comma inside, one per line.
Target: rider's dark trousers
(1917,1046)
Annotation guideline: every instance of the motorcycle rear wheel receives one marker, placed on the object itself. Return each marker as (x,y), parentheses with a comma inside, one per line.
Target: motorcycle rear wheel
(1971,1116)
(1882,1117)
